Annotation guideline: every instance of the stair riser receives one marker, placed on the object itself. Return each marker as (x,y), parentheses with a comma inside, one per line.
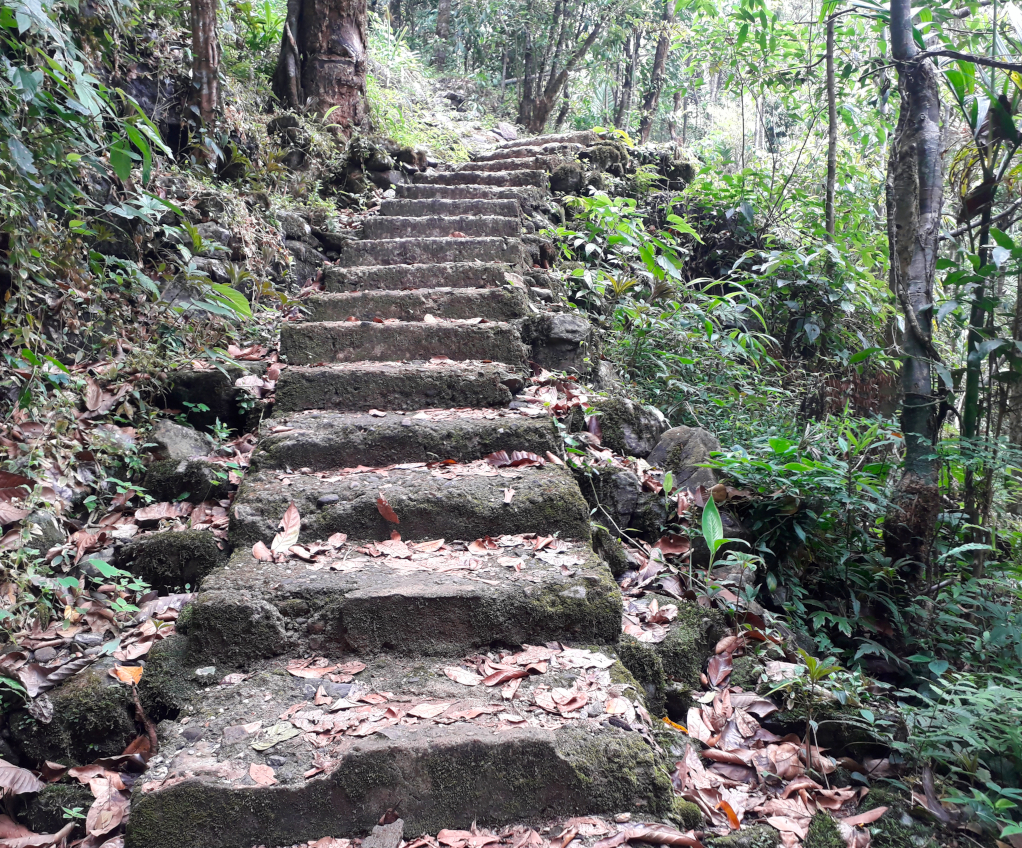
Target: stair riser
(450,208)
(537,179)
(503,304)
(431,251)
(332,440)
(357,341)
(503,154)
(529,195)
(364,389)
(583,137)
(441,227)
(547,501)
(532,163)
(435,782)
(397,277)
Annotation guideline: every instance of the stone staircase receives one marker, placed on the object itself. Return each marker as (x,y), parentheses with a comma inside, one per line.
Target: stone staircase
(408,363)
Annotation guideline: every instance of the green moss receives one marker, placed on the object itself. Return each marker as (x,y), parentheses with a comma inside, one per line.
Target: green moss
(226,627)
(171,561)
(166,686)
(685,814)
(891,830)
(823,833)
(93,716)
(746,673)
(645,664)
(43,812)
(758,836)
(169,479)
(611,551)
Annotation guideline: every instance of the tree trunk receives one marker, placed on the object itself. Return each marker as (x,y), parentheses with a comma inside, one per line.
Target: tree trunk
(624,105)
(205,60)
(322,60)
(443,34)
(656,77)
(395,14)
(831,130)
(672,125)
(915,190)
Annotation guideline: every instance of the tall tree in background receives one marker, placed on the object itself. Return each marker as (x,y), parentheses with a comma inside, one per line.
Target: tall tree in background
(205,60)
(322,59)
(443,33)
(656,76)
(831,132)
(915,193)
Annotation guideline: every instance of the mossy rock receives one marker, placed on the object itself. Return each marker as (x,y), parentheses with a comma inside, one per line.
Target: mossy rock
(194,480)
(93,716)
(167,684)
(823,833)
(685,814)
(172,560)
(896,828)
(611,551)
(44,811)
(757,836)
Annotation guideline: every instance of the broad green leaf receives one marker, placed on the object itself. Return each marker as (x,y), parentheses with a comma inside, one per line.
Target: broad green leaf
(713,527)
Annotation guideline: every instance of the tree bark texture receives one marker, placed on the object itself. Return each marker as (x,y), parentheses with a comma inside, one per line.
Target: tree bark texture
(914,199)
(624,105)
(443,33)
(656,77)
(831,131)
(205,60)
(322,60)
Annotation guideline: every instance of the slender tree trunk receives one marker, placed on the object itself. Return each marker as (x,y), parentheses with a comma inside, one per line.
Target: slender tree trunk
(656,76)
(205,60)
(443,34)
(672,125)
(323,60)
(624,104)
(915,185)
(395,14)
(831,130)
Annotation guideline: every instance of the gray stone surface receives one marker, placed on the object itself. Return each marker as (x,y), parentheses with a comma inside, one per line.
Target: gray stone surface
(494,304)
(428,251)
(176,441)
(681,450)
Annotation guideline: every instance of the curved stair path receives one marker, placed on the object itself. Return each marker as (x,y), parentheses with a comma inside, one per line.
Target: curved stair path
(275,758)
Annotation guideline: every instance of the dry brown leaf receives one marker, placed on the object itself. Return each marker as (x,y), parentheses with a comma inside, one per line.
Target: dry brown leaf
(261,552)
(39,840)
(290,527)
(718,668)
(386,510)
(864,818)
(129,674)
(106,813)
(463,676)
(262,774)
(428,710)
(18,781)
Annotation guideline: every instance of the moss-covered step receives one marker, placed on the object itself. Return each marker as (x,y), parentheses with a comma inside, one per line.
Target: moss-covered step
(523,163)
(479,758)
(363,386)
(449,208)
(466,501)
(538,179)
(581,137)
(309,342)
(171,560)
(530,195)
(407,601)
(430,251)
(321,440)
(495,304)
(474,275)
(193,480)
(472,226)
(516,153)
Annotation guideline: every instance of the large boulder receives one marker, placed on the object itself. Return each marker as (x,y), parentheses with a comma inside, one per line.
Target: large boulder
(613,493)
(628,427)
(681,450)
(562,341)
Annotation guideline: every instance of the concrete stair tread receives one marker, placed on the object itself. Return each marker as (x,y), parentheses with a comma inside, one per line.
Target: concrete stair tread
(399,277)
(450,208)
(362,386)
(423,191)
(481,757)
(582,137)
(418,251)
(496,304)
(446,500)
(526,177)
(515,153)
(524,163)
(441,226)
(407,598)
(394,340)
(320,440)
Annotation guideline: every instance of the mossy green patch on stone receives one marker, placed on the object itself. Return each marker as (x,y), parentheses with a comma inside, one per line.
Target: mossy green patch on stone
(44,811)
(823,833)
(685,814)
(896,828)
(166,685)
(199,479)
(171,561)
(93,716)
(757,836)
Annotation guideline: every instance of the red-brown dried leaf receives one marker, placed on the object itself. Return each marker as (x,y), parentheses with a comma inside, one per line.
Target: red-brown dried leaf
(386,510)
(718,668)
(18,781)
(290,528)
(261,552)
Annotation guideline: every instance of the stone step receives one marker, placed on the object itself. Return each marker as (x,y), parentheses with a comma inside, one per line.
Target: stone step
(480,758)
(431,251)
(362,386)
(539,179)
(321,440)
(552,149)
(450,208)
(523,194)
(463,500)
(307,343)
(496,304)
(526,163)
(472,275)
(583,137)
(437,226)
(393,598)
